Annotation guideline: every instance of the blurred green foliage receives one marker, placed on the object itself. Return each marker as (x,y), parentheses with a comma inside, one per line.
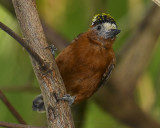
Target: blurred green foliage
(69,18)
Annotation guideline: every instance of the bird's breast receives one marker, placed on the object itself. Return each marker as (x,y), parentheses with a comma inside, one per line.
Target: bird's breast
(82,67)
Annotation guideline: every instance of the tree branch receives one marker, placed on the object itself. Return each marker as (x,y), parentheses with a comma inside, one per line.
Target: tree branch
(11,108)
(12,125)
(52,36)
(157,2)
(118,97)
(58,113)
(79,114)
(22,42)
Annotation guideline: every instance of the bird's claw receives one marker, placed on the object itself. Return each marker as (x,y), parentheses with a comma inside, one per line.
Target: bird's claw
(70,99)
(52,48)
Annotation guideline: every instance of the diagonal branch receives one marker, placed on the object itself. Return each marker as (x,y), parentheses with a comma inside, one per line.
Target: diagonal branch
(52,36)
(11,108)
(118,97)
(58,113)
(157,2)
(22,42)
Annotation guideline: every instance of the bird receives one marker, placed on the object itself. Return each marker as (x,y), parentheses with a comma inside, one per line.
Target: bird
(86,64)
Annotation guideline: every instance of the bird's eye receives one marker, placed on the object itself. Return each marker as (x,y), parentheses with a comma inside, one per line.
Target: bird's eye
(99,28)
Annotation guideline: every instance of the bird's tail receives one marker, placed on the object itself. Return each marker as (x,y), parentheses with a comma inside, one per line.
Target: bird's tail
(38,104)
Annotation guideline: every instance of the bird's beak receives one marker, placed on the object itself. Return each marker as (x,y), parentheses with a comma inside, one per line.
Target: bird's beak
(112,33)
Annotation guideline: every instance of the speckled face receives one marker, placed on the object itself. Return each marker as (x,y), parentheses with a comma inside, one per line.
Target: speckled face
(105,26)
(108,26)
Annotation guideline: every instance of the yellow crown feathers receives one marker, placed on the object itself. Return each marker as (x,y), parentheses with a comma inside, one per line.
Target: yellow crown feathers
(102,18)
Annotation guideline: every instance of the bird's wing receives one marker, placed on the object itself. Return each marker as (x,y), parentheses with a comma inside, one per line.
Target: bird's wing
(107,74)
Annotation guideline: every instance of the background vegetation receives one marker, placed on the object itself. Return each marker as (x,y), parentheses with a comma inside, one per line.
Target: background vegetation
(69,18)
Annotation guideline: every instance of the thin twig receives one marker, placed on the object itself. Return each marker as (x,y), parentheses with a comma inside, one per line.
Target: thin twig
(11,108)
(53,37)
(22,42)
(12,125)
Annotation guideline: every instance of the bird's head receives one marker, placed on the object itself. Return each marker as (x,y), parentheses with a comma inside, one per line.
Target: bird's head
(103,28)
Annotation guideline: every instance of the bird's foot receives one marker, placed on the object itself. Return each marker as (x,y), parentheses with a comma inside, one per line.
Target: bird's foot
(52,48)
(38,103)
(70,99)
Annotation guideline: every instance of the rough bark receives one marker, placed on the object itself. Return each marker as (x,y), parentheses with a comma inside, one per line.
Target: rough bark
(51,84)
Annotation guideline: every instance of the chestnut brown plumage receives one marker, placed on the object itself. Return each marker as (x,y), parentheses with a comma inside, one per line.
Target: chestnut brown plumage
(88,61)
